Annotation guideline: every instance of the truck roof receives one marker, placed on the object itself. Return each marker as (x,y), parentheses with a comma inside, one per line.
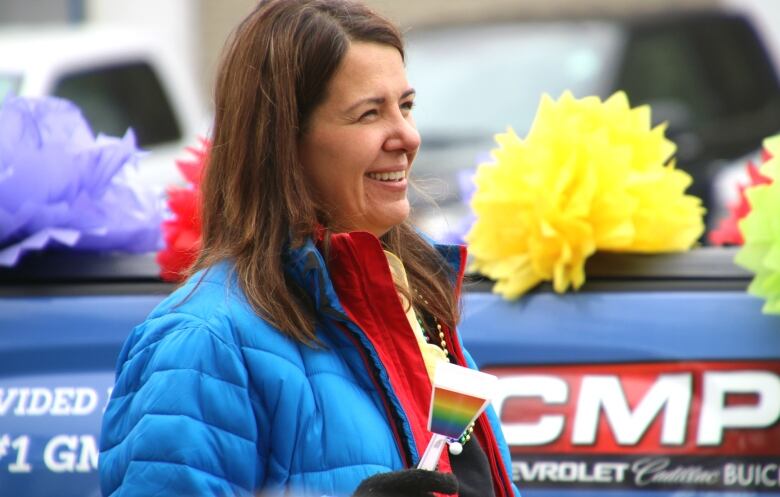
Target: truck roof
(30,49)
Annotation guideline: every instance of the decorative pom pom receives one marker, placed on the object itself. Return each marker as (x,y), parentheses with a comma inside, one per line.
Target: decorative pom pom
(182,232)
(728,232)
(61,186)
(591,175)
(761,231)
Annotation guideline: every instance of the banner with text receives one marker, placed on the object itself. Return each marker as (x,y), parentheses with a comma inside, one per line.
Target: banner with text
(710,426)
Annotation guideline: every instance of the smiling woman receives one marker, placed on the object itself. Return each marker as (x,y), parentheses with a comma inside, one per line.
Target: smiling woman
(361,141)
(297,358)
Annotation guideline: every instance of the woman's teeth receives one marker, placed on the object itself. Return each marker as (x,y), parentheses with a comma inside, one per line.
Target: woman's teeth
(394,176)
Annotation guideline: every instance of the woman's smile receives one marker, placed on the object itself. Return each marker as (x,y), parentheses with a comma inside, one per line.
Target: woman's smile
(393,180)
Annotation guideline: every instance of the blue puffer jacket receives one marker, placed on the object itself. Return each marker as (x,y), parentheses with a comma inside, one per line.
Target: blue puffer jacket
(212,400)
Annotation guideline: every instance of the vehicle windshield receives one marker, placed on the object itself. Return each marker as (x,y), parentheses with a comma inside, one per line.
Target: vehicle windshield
(9,84)
(475,81)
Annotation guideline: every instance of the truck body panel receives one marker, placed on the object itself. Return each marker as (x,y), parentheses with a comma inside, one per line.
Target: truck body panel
(639,323)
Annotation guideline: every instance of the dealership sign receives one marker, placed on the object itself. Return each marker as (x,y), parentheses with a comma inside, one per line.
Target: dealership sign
(658,426)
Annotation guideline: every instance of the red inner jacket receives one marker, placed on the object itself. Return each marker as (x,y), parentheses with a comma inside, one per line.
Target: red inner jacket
(365,287)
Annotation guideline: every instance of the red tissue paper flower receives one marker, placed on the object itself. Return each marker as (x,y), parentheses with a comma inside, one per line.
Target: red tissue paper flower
(728,232)
(182,231)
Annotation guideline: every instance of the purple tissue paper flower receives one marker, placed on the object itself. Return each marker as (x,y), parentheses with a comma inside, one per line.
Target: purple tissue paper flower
(59,185)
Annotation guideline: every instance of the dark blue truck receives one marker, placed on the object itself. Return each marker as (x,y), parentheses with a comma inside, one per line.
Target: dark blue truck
(661,377)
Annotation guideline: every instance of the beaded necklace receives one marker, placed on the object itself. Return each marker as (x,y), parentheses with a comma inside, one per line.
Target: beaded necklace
(455,446)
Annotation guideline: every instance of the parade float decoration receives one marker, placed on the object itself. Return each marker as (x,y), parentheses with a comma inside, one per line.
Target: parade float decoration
(760,228)
(182,230)
(62,187)
(590,176)
(728,232)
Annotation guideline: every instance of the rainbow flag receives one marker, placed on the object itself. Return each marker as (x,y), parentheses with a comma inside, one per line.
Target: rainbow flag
(452,412)
(459,396)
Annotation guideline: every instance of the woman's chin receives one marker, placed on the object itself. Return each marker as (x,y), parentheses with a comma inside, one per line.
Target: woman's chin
(386,217)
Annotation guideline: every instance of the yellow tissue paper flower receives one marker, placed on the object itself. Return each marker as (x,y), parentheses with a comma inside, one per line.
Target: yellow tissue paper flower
(591,175)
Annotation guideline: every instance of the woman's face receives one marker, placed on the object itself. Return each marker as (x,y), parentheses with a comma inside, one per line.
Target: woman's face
(360,142)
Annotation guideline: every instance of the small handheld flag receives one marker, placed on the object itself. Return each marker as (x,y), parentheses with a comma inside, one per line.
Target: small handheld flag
(459,397)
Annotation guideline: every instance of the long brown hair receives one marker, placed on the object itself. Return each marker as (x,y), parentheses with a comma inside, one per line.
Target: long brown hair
(255,202)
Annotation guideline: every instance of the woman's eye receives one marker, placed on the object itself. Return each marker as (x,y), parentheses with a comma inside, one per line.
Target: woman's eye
(407,106)
(368,114)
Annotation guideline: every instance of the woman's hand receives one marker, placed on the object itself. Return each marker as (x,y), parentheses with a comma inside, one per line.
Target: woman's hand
(407,483)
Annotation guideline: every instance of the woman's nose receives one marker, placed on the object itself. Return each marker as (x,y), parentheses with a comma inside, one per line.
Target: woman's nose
(404,136)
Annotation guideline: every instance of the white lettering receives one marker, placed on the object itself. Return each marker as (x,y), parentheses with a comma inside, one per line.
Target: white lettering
(85,402)
(670,393)
(568,471)
(59,454)
(765,475)
(22,446)
(751,475)
(23,394)
(88,458)
(62,401)
(7,398)
(658,471)
(549,471)
(550,389)
(716,416)
(40,402)
(71,453)
(528,472)
(571,471)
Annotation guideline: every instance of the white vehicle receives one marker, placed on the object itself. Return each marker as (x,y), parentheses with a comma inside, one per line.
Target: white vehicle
(119,79)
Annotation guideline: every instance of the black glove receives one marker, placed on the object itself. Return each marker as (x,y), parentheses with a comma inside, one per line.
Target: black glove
(407,483)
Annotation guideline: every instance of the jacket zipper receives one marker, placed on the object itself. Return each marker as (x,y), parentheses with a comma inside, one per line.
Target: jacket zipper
(374,374)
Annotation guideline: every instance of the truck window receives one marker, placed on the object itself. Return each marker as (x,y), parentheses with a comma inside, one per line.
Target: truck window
(497,72)
(702,74)
(114,98)
(661,67)
(739,67)
(710,78)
